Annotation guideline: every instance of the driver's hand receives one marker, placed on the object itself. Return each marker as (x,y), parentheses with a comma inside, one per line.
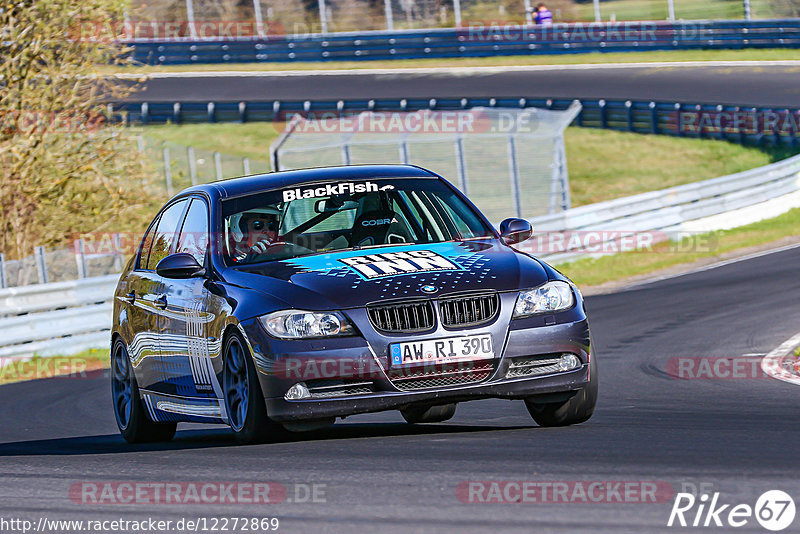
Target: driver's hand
(261,247)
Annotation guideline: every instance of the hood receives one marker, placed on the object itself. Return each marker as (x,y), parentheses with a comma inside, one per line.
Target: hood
(354,278)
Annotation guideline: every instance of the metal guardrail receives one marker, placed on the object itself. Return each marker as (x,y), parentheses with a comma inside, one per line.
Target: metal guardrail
(740,124)
(476,40)
(70,316)
(56,318)
(665,213)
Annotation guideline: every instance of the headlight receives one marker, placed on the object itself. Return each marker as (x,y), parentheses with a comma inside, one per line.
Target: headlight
(298,324)
(547,298)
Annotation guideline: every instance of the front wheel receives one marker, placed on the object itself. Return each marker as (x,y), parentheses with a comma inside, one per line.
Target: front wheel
(244,402)
(132,419)
(576,409)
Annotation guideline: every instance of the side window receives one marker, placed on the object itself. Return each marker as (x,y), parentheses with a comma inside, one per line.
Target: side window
(164,236)
(194,234)
(146,244)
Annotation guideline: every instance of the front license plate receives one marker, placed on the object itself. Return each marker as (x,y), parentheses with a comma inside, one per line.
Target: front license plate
(443,350)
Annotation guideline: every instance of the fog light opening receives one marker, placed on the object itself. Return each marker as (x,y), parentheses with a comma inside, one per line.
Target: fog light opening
(297,392)
(568,362)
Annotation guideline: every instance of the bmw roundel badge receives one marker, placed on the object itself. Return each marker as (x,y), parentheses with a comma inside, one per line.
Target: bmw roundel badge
(429,289)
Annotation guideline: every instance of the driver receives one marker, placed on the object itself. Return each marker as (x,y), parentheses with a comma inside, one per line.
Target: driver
(257,232)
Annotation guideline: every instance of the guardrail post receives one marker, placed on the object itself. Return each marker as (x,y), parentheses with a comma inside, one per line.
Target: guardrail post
(168,171)
(41,264)
(514,175)
(629,110)
(461,164)
(653,118)
(246,166)
(457,12)
(700,126)
(3,276)
(211,109)
(242,111)
(192,164)
(145,113)
(176,112)
(218,165)
(603,114)
(678,119)
(80,258)
(116,240)
(345,154)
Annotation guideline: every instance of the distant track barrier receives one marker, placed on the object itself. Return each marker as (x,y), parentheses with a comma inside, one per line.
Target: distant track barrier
(473,40)
(740,124)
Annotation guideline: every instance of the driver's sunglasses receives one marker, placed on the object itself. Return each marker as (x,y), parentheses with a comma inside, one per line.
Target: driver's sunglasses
(260,225)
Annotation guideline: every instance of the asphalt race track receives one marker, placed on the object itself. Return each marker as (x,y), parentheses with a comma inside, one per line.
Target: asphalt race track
(739,437)
(763,85)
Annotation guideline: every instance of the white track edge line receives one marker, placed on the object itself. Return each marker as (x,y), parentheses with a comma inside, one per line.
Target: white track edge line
(458,70)
(772,363)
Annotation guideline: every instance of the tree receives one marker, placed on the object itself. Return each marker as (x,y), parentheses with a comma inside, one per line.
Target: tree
(64,168)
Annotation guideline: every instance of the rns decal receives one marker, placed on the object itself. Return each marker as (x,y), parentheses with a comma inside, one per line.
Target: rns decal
(329,190)
(395,263)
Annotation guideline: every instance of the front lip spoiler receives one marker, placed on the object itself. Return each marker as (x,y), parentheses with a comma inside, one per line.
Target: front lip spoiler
(282,410)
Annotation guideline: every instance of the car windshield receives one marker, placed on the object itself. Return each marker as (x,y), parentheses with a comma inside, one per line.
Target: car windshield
(320,217)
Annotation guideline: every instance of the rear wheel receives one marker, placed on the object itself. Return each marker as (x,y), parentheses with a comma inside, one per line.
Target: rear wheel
(244,402)
(132,419)
(428,414)
(576,409)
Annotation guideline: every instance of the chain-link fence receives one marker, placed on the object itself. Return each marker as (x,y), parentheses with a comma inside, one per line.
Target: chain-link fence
(184,166)
(511,162)
(264,18)
(60,264)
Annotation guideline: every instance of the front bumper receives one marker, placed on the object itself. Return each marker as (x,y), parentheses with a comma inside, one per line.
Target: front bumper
(280,409)
(567,332)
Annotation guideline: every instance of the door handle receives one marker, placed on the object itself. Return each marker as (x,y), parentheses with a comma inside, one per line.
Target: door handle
(161,302)
(131,297)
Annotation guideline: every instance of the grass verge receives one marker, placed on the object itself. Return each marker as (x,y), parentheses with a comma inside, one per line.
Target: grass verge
(769,54)
(596,271)
(74,366)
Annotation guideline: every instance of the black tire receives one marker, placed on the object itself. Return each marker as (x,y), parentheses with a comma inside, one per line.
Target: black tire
(132,419)
(577,409)
(244,401)
(428,414)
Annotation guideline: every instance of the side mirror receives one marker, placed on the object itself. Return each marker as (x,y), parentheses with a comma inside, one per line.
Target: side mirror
(180,265)
(515,230)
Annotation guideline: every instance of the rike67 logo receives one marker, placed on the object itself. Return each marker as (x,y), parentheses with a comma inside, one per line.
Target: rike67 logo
(774,510)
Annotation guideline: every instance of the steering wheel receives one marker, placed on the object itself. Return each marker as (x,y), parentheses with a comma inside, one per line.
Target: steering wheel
(264,248)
